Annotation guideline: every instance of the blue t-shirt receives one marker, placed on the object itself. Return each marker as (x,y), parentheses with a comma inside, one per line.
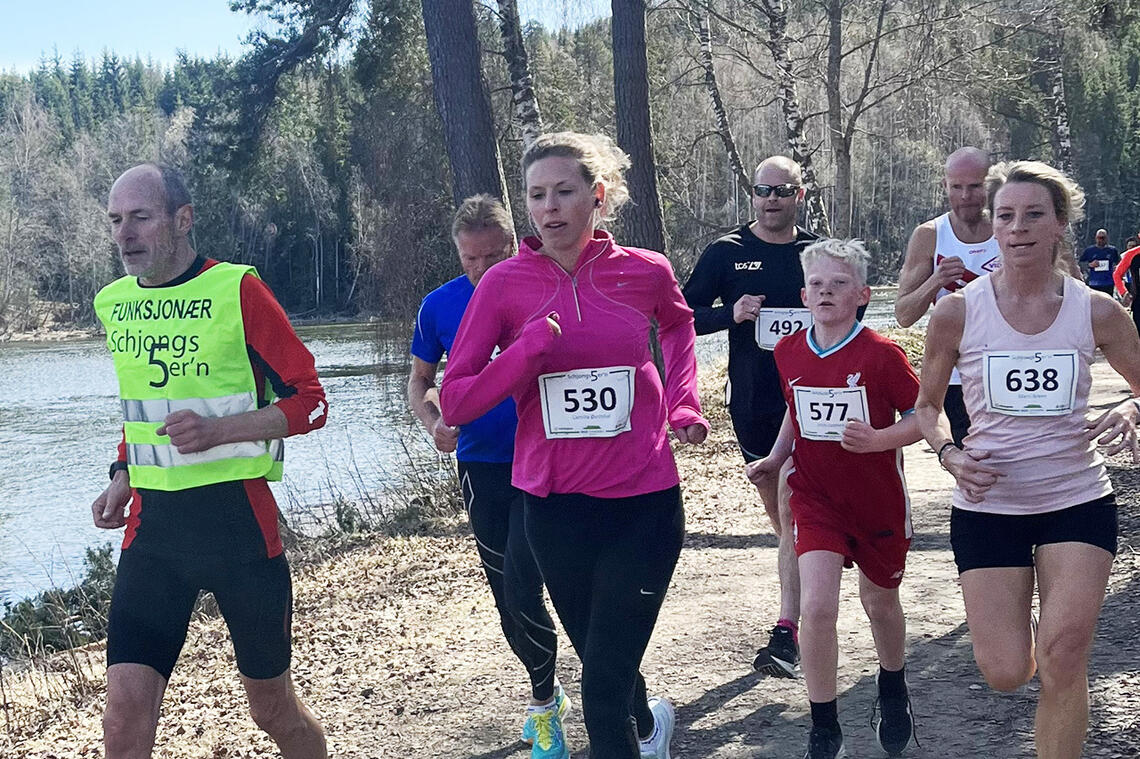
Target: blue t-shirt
(1101,262)
(491,437)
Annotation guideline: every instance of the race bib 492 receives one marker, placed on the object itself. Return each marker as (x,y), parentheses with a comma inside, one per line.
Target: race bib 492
(774,323)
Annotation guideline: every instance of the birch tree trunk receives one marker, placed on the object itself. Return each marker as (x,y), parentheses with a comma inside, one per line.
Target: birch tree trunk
(518,65)
(642,222)
(779,44)
(837,129)
(1059,106)
(704,36)
(462,99)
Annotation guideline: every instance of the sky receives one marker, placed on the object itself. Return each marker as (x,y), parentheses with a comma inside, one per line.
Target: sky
(157,29)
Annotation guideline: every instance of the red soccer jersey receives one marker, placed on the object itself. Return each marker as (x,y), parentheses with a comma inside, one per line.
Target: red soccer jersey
(825,473)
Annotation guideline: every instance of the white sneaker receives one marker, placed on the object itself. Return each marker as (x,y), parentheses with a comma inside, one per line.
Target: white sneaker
(664,717)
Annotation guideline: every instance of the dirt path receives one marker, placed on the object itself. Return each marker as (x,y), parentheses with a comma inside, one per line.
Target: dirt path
(399,651)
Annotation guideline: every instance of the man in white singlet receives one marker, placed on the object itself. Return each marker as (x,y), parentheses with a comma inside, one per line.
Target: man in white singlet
(946,253)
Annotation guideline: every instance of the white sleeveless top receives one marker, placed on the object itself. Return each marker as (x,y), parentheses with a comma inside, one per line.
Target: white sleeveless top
(1048,461)
(980,258)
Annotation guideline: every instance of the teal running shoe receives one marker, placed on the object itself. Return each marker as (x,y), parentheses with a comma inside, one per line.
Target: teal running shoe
(543,729)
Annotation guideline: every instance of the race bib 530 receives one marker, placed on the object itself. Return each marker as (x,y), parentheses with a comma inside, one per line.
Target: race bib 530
(587,402)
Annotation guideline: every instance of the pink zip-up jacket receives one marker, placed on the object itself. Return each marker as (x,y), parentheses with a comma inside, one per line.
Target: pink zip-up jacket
(605,306)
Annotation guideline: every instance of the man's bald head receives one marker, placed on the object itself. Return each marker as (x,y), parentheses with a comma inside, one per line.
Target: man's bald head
(966,183)
(151,216)
(968,158)
(170,183)
(790,168)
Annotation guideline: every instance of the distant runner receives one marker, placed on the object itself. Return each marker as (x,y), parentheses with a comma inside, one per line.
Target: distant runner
(1099,261)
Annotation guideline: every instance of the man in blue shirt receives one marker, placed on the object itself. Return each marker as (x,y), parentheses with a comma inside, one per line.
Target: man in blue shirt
(483,233)
(1098,262)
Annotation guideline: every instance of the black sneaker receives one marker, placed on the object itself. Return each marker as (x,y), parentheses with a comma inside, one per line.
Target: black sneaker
(893,723)
(825,744)
(781,656)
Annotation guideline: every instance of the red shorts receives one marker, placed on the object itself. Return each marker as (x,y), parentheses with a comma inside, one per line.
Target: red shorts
(874,540)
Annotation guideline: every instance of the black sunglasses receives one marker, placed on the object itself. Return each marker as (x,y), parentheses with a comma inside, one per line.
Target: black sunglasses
(781,190)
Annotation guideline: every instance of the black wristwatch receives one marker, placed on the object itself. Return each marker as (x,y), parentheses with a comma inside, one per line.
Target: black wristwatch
(118,466)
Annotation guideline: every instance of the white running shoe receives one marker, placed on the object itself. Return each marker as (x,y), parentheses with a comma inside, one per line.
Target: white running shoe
(664,717)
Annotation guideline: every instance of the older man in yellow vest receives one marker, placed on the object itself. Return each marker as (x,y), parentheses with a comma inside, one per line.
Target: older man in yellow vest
(212,377)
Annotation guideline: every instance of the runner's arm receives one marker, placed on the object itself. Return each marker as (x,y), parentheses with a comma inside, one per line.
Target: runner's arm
(703,289)
(1116,336)
(472,383)
(918,280)
(901,387)
(762,470)
(943,336)
(278,356)
(109,510)
(421,385)
(1121,268)
(420,381)
(860,437)
(675,332)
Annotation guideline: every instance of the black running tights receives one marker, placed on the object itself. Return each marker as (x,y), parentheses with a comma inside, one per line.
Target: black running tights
(607,564)
(495,510)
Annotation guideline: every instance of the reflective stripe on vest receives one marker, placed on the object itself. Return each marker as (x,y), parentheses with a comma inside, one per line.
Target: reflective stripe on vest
(183,348)
(157,410)
(168,456)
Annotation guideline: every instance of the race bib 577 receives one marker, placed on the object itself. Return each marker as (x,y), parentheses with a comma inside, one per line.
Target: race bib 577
(823,412)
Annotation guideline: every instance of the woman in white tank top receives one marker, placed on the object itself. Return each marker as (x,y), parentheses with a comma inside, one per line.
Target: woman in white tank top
(1032,501)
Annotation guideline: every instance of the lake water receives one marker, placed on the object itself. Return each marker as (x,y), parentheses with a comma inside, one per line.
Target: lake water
(61,423)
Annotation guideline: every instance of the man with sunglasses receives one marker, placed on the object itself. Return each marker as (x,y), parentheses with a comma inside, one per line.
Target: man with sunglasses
(755,273)
(946,253)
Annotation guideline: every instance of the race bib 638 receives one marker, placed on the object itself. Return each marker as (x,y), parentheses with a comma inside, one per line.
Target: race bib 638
(1030,383)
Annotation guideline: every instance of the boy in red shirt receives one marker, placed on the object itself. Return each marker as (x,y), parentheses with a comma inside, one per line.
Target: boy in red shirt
(844,384)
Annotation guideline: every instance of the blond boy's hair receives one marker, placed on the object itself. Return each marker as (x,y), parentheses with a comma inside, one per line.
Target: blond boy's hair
(851,251)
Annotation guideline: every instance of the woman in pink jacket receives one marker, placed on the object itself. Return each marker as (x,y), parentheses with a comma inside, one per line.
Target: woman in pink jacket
(571,315)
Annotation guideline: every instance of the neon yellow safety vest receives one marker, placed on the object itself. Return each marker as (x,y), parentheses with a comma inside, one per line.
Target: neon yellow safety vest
(183,347)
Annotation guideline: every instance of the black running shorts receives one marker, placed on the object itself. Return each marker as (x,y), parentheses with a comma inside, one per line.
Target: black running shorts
(154,597)
(757,435)
(985,541)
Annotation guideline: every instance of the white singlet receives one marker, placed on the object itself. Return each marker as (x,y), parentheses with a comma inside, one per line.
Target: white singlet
(1027,397)
(979,258)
